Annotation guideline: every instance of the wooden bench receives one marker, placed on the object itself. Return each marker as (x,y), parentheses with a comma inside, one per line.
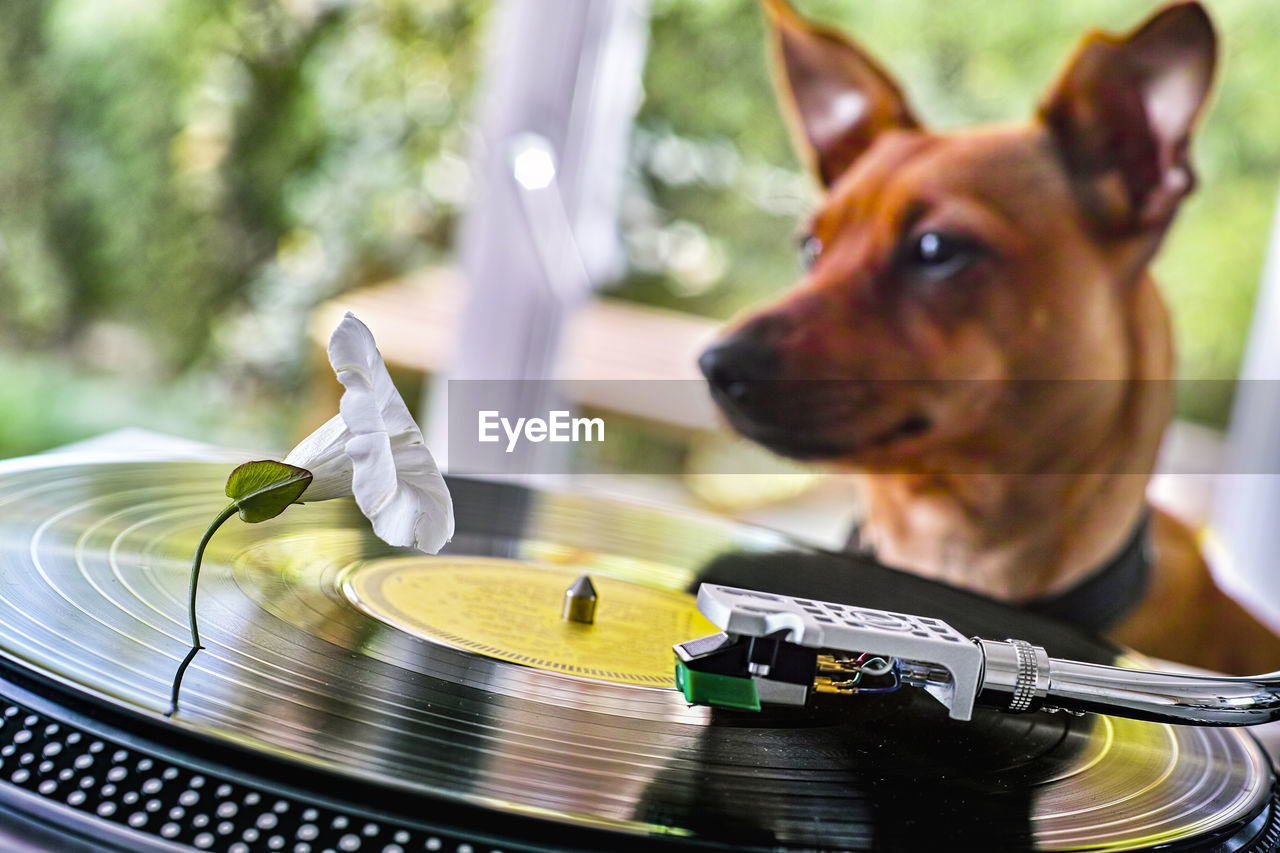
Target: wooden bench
(416,320)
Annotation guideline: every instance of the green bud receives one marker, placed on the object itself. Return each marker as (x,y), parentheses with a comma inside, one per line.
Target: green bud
(264,489)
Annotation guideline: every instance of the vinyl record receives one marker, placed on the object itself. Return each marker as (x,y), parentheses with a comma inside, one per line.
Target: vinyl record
(446,695)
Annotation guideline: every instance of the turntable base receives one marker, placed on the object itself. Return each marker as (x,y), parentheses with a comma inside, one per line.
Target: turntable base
(356,697)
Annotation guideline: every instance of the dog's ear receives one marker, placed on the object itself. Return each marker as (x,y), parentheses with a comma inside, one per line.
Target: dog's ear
(1122,114)
(835,97)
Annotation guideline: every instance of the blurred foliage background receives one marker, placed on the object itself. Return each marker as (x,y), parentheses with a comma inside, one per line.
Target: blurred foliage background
(183,180)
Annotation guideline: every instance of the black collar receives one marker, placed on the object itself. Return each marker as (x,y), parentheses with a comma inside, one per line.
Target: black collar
(1105,596)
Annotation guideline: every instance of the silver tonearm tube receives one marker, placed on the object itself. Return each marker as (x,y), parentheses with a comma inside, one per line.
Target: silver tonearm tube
(1018,677)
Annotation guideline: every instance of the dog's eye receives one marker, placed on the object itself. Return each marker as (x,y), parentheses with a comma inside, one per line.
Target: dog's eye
(939,255)
(810,249)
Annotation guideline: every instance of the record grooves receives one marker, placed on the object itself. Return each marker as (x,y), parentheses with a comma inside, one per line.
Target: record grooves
(211,796)
(310,723)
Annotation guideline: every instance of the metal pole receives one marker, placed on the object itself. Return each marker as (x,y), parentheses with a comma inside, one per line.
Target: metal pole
(1246,518)
(561,89)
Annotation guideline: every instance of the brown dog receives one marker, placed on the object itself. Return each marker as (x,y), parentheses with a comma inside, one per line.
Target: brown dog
(977,335)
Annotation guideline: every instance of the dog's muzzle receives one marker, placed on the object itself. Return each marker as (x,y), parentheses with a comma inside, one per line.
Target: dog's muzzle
(737,367)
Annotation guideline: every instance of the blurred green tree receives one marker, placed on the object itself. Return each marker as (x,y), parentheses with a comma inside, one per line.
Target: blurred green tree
(165,163)
(183,180)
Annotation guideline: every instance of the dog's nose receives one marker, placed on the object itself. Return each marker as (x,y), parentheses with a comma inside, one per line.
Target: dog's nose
(734,364)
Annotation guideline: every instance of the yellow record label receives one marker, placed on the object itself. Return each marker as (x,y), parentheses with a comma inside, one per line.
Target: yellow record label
(511,611)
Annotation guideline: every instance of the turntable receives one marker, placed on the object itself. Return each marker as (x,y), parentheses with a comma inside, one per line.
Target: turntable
(354,697)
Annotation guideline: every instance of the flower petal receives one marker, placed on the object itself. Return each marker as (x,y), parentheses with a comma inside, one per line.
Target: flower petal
(373,479)
(371,402)
(374,450)
(324,454)
(419,477)
(401,491)
(327,441)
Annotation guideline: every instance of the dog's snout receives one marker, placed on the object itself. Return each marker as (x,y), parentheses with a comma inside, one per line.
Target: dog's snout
(734,364)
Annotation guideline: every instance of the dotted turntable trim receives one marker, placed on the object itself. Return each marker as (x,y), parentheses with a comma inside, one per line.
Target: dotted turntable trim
(132,789)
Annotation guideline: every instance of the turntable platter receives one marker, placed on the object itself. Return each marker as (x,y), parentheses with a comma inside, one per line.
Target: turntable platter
(310,662)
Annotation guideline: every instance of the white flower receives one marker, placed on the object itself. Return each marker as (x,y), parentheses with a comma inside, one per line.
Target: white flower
(373,450)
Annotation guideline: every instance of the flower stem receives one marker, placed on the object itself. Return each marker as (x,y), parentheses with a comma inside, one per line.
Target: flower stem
(195,570)
(177,681)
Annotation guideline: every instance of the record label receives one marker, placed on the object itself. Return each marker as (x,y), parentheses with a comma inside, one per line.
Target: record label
(511,610)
